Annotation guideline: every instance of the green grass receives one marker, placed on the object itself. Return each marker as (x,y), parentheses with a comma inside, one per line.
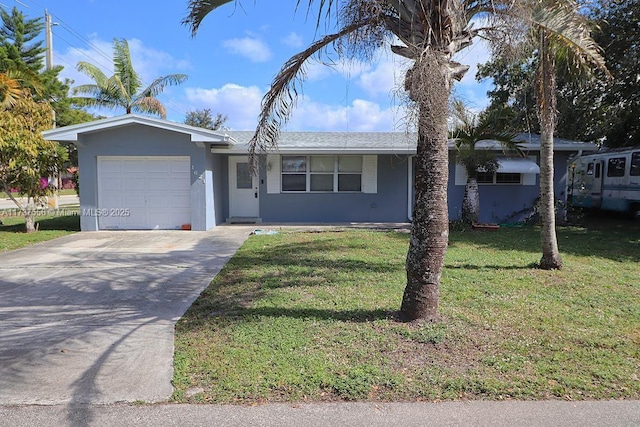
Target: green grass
(13,236)
(311,317)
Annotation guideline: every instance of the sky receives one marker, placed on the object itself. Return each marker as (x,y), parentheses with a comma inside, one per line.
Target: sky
(232,60)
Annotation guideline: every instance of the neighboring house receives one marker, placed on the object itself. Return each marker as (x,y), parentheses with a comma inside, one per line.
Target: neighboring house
(138,172)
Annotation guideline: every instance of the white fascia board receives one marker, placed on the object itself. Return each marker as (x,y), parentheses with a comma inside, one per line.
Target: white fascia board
(70,133)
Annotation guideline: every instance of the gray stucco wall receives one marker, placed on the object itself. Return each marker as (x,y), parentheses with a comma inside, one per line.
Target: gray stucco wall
(507,203)
(220,187)
(389,204)
(138,140)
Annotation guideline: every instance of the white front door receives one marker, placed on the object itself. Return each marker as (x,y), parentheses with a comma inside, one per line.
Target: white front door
(243,189)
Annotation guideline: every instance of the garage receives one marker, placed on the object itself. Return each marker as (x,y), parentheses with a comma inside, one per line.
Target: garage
(143,173)
(143,193)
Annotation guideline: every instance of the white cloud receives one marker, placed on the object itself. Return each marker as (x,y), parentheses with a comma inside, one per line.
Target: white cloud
(149,63)
(469,89)
(293,40)
(251,48)
(360,116)
(384,78)
(240,104)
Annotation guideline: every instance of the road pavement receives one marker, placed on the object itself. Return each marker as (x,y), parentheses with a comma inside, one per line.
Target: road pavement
(467,414)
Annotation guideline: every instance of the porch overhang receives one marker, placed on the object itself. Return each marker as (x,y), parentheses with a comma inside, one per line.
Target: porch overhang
(512,165)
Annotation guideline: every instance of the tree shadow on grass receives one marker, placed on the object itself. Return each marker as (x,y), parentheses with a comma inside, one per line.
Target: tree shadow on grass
(356,316)
(616,239)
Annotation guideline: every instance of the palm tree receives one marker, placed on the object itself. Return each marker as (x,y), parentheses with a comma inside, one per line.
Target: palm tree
(10,90)
(122,90)
(559,33)
(430,32)
(469,130)
(14,84)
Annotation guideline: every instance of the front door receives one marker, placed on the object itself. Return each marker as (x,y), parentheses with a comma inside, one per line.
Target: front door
(596,187)
(243,189)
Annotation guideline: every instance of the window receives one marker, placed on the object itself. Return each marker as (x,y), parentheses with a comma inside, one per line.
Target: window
(499,178)
(243,176)
(321,173)
(590,169)
(598,167)
(635,164)
(507,178)
(616,166)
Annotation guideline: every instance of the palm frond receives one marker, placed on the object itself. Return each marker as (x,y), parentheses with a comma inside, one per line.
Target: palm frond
(157,86)
(10,89)
(81,101)
(123,67)
(278,102)
(568,34)
(93,72)
(88,89)
(198,10)
(149,105)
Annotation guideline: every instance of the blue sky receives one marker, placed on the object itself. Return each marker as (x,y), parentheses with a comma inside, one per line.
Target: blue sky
(234,57)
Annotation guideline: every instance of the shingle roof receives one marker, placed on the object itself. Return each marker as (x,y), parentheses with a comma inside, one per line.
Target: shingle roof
(382,142)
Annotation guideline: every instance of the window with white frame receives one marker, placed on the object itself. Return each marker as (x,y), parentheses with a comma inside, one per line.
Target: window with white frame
(499,178)
(321,173)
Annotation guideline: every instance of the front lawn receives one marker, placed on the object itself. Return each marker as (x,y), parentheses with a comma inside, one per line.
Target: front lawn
(12,232)
(311,317)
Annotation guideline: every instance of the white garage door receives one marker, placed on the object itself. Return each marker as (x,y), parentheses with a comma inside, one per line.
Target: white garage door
(143,193)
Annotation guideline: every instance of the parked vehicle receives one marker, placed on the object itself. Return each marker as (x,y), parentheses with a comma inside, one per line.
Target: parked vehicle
(608,180)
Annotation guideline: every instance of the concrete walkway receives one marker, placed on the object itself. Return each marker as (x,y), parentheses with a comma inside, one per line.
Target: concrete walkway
(477,413)
(89,318)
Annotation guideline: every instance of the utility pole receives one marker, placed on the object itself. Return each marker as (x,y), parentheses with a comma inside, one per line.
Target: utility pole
(53,201)
(49,41)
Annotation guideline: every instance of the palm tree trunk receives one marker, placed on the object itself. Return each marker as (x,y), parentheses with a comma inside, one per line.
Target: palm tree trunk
(546,89)
(471,201)
(430,228)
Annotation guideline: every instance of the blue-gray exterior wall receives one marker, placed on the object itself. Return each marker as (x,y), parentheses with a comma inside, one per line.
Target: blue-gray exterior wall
(221,187)
(145,141)
(506,203)
(389,204)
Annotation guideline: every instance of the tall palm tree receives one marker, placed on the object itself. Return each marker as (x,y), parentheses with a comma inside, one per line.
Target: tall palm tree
(123,89)
(559,33)
(469,130)
(430,32)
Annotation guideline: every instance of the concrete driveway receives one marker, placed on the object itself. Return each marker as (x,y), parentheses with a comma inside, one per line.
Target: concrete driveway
(89,318)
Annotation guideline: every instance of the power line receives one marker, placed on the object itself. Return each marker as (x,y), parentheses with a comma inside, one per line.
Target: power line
(92,47)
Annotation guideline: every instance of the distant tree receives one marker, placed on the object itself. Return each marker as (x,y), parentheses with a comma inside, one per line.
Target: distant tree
(25,157)
(618,99)
(18,35)
(123,89)
(469,130)
(204,119)
(22,57)
(512,95)
(589,109)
